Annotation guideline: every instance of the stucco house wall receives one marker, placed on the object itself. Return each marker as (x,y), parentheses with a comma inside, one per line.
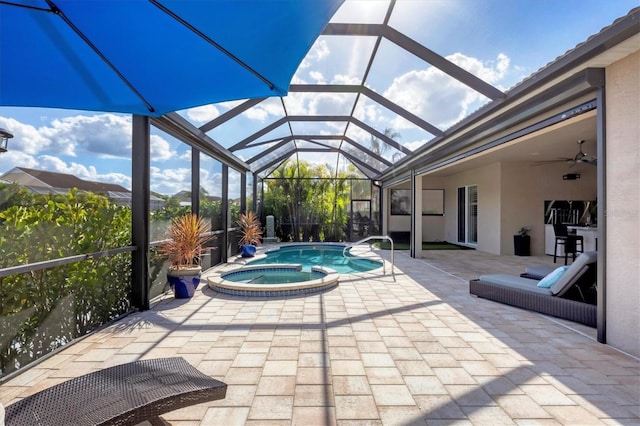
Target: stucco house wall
(525,187)
(623,203)
(488,181)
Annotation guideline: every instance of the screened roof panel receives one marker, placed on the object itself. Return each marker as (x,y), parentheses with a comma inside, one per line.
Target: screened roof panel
(266,159)
(318,127)
(425,90)
(346,166)
(309,103)
(247,153)
(302,144)
(332,143)
(362,11)
(268,170)
(364,157)
(378,116)
(336,60)
(247,122)
(361,82)
(375,145)
(275,131)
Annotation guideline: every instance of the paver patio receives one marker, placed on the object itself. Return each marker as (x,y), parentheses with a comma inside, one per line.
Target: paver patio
(409,348)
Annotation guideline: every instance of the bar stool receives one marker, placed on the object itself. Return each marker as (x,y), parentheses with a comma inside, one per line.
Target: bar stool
(568,240)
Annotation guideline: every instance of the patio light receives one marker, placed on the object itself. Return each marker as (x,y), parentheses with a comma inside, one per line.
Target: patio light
(5,135)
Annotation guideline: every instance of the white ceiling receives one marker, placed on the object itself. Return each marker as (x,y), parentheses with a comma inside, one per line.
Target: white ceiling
(554,142)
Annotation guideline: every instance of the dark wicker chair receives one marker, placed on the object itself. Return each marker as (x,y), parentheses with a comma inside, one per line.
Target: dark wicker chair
(126,394)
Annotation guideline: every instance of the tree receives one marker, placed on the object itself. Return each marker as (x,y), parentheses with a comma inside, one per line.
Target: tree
(379,146)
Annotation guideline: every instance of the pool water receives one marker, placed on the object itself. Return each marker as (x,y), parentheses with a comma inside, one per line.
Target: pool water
(272,276)
(309,255)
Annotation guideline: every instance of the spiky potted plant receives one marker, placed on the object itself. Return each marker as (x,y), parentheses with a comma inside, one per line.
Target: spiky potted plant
(187,236)
(251,233)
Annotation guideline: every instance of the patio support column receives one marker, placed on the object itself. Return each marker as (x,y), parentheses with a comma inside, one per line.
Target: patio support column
(243,192)
(140,193)
(384,210)
(416,215)
(254,193)
(224,214)
(195,181)
(601,278)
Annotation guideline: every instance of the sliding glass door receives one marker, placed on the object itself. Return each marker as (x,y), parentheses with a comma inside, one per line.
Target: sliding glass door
(468,214)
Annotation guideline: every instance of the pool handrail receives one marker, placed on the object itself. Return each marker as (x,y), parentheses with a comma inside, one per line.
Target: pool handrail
(373,237)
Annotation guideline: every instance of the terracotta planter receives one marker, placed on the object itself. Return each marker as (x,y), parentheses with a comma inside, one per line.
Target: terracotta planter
(184,281)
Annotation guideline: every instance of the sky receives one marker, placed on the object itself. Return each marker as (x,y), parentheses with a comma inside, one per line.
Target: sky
(500,41)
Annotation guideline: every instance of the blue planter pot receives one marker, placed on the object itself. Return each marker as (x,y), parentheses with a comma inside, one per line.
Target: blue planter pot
(247,250)
(184,282)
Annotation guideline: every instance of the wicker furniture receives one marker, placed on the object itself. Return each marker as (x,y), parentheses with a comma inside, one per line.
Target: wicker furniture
(572,297)
(126,394)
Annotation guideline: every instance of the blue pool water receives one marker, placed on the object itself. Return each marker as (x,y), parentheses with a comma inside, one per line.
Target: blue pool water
(309,255)
(272,276)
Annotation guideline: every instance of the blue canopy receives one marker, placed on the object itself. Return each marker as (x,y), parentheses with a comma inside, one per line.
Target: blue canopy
(152,57)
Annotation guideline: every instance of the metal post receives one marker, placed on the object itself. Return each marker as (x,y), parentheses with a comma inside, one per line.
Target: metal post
(195,181)
(243,192)
(140,194)
(254,193)
(224,213)
(601,278)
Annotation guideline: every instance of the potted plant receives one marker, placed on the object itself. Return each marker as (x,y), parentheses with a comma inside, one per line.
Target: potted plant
(522,242)
(187,237)
(251,233)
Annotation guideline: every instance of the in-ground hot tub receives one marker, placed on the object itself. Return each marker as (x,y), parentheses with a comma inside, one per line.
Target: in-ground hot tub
(273,280)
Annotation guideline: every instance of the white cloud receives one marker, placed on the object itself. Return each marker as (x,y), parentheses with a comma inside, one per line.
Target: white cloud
(318,52)
(105,135)
(27,138)
(271,107)
(203,114)
(345,79)
(170,181)
(317,77)
(161,149)
(329,104)
(440,99)
(12,158)
(414,145)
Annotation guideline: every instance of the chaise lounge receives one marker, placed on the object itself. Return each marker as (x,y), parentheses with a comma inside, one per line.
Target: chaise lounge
(126,394)
(567,292)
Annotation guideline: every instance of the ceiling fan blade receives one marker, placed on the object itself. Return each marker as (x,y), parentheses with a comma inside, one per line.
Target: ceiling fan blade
(593,161)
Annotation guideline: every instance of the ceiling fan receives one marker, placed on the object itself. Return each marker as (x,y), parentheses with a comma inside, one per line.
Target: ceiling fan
(580,158)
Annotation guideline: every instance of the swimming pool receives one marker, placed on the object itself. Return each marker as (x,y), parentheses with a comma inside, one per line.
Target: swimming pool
(309,255)
(273,280)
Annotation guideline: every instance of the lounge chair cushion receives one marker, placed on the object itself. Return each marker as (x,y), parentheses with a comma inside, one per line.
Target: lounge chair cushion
(537,272)
(550,279)
(575,271)
(512,281)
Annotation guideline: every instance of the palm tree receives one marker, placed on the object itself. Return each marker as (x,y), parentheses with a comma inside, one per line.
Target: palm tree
(378,146)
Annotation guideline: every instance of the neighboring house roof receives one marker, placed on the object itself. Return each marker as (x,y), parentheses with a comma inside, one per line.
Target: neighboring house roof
(45,182)
(62,180)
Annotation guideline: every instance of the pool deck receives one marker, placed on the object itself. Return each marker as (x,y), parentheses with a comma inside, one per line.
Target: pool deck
(412,348)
